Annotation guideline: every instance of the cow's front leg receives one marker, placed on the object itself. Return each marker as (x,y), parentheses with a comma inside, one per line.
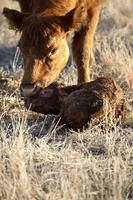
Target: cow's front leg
(83,44)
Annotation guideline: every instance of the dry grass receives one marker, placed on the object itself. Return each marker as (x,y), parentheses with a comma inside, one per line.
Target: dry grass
(39,160)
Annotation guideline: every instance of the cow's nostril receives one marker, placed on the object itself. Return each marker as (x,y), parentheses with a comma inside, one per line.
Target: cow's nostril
(28,90)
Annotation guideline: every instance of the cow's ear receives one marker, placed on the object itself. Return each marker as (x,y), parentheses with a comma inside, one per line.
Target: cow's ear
(14,17)
(74,19)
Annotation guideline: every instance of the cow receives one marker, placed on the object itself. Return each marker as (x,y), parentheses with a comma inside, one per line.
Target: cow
(45,27)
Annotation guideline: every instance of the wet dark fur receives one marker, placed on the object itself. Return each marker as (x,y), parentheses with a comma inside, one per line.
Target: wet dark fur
(79,105)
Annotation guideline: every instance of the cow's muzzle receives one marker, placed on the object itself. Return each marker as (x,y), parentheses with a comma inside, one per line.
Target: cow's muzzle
(28,90)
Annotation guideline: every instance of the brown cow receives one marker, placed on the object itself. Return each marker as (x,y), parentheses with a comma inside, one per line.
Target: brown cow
(45,26)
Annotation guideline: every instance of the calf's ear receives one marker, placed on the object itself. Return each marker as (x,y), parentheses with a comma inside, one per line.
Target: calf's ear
(74,19)
(15,18)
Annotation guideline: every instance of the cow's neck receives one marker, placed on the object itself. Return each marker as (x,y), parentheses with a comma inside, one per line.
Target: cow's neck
(53,7)
(48,7)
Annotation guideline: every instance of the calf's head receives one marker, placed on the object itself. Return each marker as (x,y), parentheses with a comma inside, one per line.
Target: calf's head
(44,47)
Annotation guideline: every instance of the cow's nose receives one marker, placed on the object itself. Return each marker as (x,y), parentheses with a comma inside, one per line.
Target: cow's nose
(28,90)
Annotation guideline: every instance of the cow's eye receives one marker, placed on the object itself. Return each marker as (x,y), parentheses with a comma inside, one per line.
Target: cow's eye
(54,52)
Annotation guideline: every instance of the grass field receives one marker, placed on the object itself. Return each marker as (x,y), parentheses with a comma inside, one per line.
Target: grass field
(38,159)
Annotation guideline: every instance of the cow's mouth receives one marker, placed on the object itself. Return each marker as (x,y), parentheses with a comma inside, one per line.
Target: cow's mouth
(28,90)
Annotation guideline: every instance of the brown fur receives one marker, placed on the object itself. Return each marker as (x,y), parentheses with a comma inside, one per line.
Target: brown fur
(82,104)
(45,25)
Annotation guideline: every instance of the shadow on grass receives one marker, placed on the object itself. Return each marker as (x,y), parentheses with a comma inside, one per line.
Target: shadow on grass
(10,58)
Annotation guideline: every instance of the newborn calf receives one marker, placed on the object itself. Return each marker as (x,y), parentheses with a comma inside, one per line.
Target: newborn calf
(79,105)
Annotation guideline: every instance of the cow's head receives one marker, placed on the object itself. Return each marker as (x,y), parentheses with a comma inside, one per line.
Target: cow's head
(43,44)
